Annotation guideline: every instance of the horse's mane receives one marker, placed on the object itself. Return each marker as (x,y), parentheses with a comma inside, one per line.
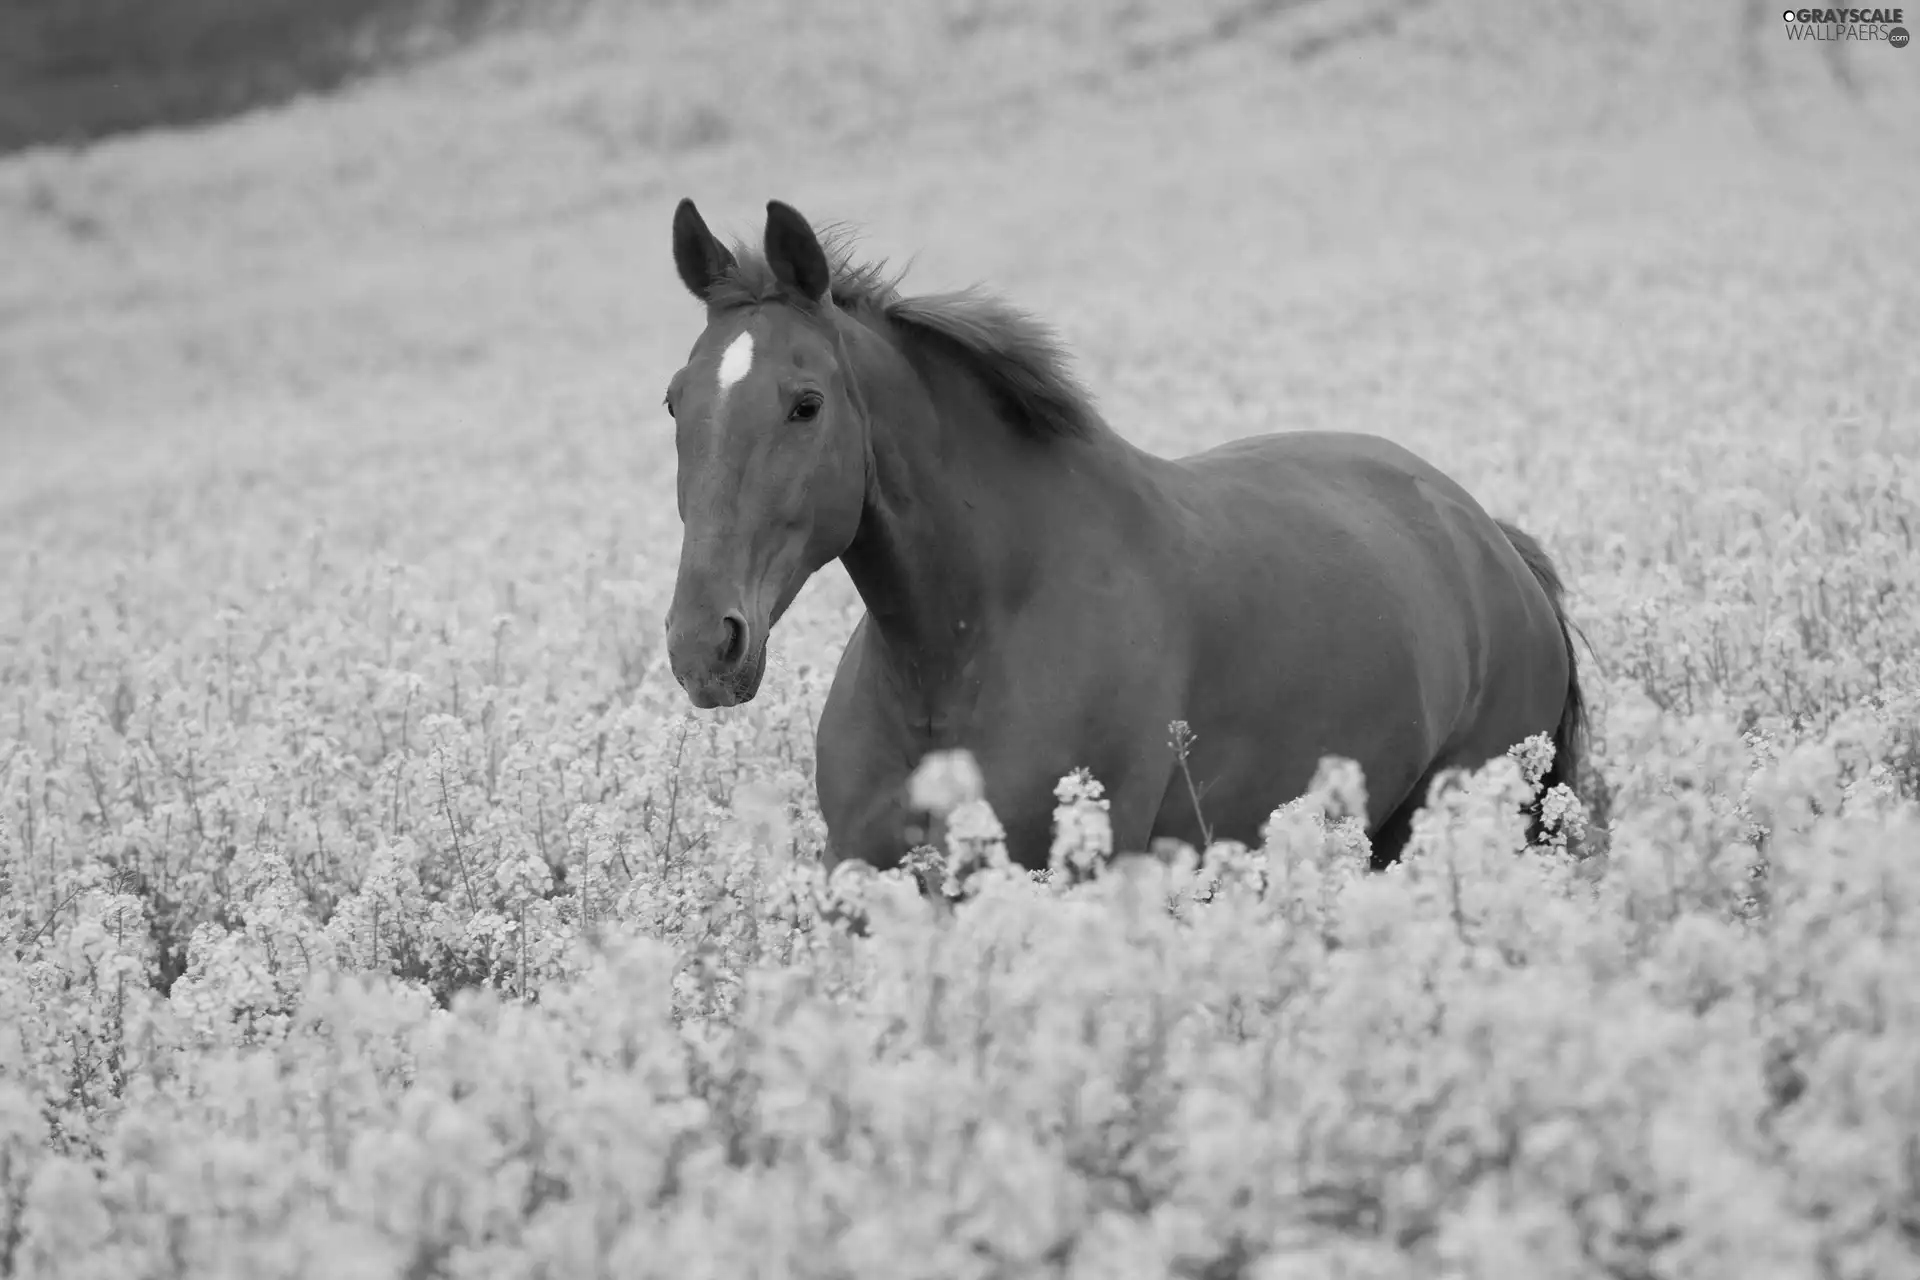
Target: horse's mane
(1017,358)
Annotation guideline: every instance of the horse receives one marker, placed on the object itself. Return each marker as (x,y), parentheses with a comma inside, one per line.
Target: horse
(1046,595)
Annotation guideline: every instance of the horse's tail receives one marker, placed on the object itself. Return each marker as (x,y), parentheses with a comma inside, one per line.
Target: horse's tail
(1570,735)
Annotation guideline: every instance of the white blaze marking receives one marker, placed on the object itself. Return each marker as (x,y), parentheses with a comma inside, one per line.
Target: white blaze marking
(735,361)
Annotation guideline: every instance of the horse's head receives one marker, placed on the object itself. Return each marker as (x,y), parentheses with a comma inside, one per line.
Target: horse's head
(772,449)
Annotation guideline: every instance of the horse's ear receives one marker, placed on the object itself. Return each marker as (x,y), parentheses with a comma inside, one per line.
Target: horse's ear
(794,252)
(700,258)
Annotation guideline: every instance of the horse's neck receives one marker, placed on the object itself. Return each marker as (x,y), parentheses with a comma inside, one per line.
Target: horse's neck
(955,505)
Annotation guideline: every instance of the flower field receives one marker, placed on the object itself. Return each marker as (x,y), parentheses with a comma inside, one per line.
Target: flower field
(374,905)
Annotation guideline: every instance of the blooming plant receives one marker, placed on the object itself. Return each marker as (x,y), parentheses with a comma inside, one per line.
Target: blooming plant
(373,905)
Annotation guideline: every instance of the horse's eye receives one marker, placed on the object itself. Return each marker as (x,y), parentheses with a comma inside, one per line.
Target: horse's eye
(806,410)
(667,400)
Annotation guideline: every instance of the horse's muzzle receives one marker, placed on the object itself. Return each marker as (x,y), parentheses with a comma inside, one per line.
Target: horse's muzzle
(719,662)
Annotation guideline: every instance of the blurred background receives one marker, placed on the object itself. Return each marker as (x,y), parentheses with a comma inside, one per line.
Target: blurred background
(402,267)
(78,70)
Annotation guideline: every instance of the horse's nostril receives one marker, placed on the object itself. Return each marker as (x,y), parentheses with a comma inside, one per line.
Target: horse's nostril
(734,646)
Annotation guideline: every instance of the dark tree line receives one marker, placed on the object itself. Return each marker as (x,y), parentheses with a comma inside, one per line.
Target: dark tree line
(76,70)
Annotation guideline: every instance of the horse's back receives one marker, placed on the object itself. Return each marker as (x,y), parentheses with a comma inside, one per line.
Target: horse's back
(1370,526)
(1363,506)
(1365,604)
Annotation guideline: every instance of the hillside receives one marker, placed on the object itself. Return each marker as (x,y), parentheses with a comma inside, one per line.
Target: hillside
(376,906)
